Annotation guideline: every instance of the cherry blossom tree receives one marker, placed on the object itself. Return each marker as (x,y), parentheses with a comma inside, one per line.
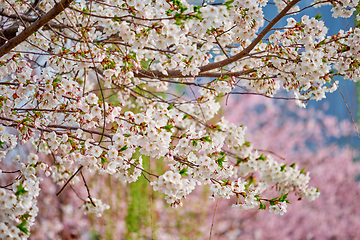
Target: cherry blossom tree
(98,86)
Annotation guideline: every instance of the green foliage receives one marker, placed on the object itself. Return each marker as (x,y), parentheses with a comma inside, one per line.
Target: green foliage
(95,236)
(318,16)
(138,210)
(20,190)
(228,4)
(22,227)
(103,160)
(262,206)
(170,106)
(220,161)
(206,139)
(183,171)
(168,127)
(124,148)
(262,158)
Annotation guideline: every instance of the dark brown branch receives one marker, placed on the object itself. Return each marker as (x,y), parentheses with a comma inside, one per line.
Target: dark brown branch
(23,17)
(227,61)
(12,43)
(247,50)
(177,74)
(68,181)
(44,110)
(11,172)
(87,189)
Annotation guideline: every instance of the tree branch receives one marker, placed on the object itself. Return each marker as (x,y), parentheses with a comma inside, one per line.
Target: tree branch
(178,74)
(58,8)
(247,50)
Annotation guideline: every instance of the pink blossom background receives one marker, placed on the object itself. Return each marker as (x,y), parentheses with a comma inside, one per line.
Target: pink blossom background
(301,136)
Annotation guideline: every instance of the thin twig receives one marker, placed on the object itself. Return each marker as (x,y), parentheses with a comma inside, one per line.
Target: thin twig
(357,131)
(68,181)
(77,194)
(261,150)
(212,223)
(87,189)
(10,172)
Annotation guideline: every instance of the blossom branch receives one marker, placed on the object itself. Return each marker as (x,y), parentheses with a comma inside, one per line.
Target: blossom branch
(12,43)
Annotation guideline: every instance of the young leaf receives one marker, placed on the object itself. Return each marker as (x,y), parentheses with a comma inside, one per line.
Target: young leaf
(168,127)
(20,190)
(206,139)
(318,16)
(262,206)
(22,227)
(282,168)
(262,158)
(183,171)
(124,148)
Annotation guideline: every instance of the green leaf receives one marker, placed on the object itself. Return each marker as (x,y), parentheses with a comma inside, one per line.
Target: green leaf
(178,22)
(318,16)
(198,16)
(251,181)
(170,106)
(262,158)
(262,206)
(20,190)
(168,127)
(22,227)
(183,171)
(292,165)
(116,19)
(283,197)
(103,160)
(206,139)
(238,161)
(124,148)
(1,143)
(228,4)
(186,116)
(220,161)
(194,142)
(168,12)
(302,170)
(197,8)
(282,168)
(183,9)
